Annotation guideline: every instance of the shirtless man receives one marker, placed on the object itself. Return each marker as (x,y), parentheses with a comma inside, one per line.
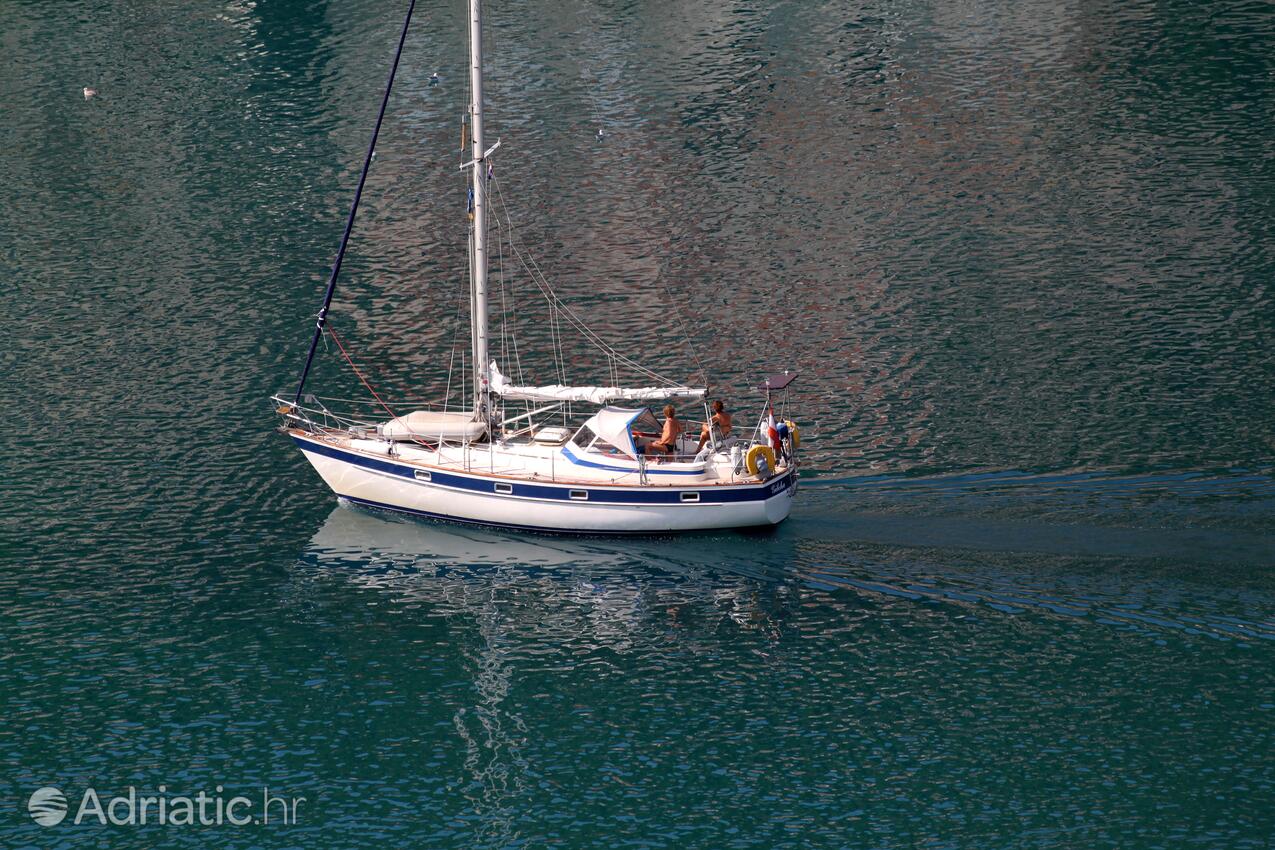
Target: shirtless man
(720,420)
(667,443)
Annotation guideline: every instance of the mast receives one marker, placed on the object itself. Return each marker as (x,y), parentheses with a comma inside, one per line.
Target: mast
(478,255)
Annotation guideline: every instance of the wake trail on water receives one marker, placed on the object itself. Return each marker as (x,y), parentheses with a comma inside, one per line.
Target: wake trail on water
(1201,517)
(1247,483)
(1187,551)
(998,569)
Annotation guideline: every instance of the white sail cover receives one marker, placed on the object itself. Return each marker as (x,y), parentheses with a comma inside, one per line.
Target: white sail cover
(432,425)
(595,395)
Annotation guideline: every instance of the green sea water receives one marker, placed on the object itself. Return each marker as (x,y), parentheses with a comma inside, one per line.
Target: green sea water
(1021,254)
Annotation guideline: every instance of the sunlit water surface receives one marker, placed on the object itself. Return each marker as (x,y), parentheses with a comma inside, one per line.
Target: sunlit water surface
(1020,254)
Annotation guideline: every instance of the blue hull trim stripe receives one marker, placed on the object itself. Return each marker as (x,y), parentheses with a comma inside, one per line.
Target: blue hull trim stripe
(571,456)
(709,495)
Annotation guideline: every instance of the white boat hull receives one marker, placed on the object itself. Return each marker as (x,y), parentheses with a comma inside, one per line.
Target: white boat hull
(580,507)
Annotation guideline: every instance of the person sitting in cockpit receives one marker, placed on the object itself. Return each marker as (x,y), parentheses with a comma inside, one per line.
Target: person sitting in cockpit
(667,443)
(719,422)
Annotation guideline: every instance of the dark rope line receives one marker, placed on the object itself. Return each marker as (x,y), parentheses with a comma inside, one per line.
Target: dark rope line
(354,208)
(332,332)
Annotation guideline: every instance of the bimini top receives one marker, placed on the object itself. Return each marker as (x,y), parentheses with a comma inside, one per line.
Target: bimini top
(615,426)
(778,381)
(595,395)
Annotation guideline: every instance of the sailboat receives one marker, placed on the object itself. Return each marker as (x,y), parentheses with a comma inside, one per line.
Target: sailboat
(542,457)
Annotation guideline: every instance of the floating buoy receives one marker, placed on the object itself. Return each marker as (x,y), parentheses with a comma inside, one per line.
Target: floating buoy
(757,453)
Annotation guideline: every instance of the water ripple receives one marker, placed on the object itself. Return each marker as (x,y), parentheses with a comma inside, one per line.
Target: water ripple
(1019,253)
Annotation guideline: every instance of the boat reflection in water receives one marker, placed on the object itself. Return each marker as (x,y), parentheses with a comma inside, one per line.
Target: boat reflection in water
(519,657)
(351,534)
(605,586)
(841,559)
(502,636)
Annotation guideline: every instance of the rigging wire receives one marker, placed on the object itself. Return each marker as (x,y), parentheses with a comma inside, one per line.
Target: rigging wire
(559,309)
(677,313)
(542,283)
(335,338)
(451,363)
(594,85)
(513,297)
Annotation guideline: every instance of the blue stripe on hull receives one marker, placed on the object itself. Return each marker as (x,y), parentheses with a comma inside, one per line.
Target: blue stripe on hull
(570,455)
(665,495)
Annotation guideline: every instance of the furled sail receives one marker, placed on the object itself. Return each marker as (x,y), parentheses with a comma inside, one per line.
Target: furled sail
(595,395)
